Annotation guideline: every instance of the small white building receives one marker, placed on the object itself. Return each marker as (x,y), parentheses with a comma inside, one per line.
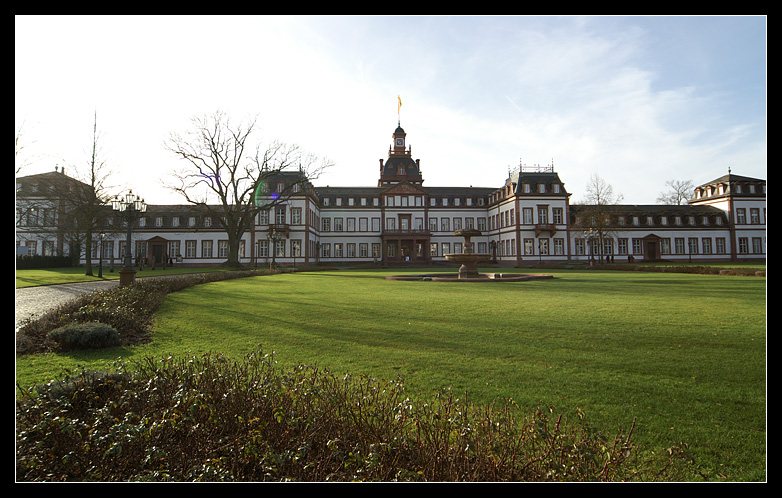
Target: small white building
(528,219)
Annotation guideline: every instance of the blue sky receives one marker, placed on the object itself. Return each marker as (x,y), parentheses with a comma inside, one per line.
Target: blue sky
(635,100)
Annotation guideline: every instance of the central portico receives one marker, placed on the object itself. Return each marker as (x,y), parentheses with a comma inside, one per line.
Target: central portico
(406,236)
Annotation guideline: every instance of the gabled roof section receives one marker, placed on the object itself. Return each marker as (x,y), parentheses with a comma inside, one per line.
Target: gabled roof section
(537,177)
(729,185)
(46,184)
(405,187)
(399,169)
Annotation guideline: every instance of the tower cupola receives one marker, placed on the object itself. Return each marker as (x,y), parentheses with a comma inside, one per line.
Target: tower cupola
(400,166)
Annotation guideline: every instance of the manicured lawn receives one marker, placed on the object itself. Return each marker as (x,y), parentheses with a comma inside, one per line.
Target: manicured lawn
(682,354)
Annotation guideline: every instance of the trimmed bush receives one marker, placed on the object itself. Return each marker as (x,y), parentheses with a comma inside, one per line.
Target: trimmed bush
(89,335)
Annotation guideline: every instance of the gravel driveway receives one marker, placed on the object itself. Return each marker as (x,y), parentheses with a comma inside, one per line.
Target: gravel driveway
(37,300)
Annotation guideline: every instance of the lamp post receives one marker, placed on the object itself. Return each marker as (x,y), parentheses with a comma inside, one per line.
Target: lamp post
(100,263)
(129,209)
(589,235)
(274,236)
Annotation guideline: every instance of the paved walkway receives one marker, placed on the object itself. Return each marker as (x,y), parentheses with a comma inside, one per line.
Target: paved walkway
(37,300)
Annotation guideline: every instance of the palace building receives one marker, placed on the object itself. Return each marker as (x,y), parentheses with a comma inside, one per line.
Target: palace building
(528,219)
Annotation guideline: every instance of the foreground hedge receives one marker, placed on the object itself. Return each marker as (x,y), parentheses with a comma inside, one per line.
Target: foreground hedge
(210,419)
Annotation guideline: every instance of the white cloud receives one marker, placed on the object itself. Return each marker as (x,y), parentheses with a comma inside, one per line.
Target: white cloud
(479,94)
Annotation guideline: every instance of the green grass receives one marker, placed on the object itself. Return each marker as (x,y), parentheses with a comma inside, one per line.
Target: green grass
(683,354)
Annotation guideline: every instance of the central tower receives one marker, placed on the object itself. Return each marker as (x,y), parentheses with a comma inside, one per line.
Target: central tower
(400,166)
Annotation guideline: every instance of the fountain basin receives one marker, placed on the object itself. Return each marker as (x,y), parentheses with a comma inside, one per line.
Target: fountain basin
(469,261)
(480,277)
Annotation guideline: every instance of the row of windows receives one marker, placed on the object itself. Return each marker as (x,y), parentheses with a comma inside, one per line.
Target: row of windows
(508,217)
(47,217)
(402,201)
(176,221)
(192,249)
(403,222)
(664,220)
(501,220)
(526,188)
(677,246)
(33,216)
(722,188)
(754,216)
(530,247)
(350,250)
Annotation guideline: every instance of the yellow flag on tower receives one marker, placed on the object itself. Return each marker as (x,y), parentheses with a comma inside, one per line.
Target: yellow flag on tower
(399,105)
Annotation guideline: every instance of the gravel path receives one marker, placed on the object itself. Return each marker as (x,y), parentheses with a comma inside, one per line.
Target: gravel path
(37,300)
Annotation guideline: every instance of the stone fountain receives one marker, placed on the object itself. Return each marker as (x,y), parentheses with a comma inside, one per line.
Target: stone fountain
(468,257)
(468,271)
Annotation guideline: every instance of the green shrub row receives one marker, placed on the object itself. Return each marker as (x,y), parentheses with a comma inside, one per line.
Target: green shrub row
(128,309)
(210,419)
(38,261)
(695,270)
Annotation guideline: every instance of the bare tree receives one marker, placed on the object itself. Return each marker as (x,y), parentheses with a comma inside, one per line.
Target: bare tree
(85,212)
(594,216)
(226,168)
(678,192)
(600,193)
(18,147)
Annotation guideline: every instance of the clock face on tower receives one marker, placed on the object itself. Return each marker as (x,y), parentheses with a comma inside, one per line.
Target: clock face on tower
(400,142)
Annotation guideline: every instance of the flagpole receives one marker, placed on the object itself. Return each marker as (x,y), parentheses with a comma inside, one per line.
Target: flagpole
(398,111)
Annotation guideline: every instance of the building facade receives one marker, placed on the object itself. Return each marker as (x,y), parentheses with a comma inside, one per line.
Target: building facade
(528,219)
